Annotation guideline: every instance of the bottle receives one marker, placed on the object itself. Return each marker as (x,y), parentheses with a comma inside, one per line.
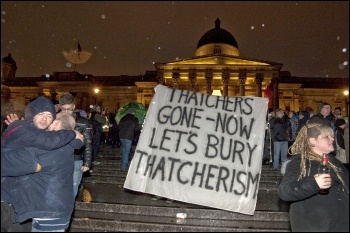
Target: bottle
(324,169)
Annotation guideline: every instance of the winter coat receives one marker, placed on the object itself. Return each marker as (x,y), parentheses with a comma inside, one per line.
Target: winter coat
(301,123)
(84,126)
(309,210)
(49,192)
(23,133)
(128,127)
(97,121)
(279,130)
(346,141)
(339,136)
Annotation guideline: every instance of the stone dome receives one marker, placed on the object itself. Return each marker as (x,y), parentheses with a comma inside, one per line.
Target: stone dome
(217,35)
(217,41)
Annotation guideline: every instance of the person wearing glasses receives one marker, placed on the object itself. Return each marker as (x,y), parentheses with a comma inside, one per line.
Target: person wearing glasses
(324,115)
(82,157)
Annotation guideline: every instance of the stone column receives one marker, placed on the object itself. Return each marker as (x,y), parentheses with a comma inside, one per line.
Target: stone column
(192,77)
(209,80)
(296,106)
(176,78)
(160,77)
(241,79)
(85,101)
(259,78)
(53,93)
(225,81)
(41,91)
(275,103)
(140,98)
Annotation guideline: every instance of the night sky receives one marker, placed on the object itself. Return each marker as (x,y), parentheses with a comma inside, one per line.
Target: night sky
(310,39)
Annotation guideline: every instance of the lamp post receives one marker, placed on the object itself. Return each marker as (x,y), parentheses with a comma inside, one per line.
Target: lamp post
(96,90)
(346,94)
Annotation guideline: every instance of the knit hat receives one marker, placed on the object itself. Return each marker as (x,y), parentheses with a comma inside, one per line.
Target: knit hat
(338,122)
(40,104)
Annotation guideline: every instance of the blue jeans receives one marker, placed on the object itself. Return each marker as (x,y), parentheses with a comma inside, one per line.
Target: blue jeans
(77,176)
(126,143)
(280,149)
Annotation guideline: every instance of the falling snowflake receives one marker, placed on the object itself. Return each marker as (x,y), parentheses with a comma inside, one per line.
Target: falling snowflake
(345,63)
(252,27)
(338,38)
(3,12)
(103,17)
(344,50)
(3,20)
(68,64)
(159,47)
(341,66)
(263,25)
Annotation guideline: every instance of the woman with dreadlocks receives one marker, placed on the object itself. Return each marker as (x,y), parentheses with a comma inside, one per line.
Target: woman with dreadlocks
(309,210)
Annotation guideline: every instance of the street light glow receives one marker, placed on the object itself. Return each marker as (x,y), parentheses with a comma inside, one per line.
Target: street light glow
(96,90)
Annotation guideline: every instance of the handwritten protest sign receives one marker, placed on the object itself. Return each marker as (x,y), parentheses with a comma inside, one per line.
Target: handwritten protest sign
(201,149)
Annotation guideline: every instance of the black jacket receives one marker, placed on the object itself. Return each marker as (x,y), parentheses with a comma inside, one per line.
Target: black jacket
(279,130)
(84,126)
(128,127)
(46,193)
(339,136)
(309,210)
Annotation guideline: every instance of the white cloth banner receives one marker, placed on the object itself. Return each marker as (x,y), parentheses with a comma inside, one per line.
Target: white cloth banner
(201,149)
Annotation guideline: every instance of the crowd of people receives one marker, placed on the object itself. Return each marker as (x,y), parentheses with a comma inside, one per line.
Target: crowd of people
(297,143)
(45,154)
(284,126)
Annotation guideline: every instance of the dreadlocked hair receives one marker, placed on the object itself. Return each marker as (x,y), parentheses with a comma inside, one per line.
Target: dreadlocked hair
(303,147)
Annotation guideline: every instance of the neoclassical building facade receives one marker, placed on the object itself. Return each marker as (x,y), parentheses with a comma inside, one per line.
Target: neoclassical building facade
(216,68)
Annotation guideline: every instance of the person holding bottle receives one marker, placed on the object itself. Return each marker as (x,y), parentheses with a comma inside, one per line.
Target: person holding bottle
(310,210)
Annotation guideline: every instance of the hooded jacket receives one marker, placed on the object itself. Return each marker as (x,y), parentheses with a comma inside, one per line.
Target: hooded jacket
(319,118)
(23,133)
(47,193)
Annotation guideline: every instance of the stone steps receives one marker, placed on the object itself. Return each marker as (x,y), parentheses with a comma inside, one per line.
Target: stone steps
(119,217)
(103,205)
